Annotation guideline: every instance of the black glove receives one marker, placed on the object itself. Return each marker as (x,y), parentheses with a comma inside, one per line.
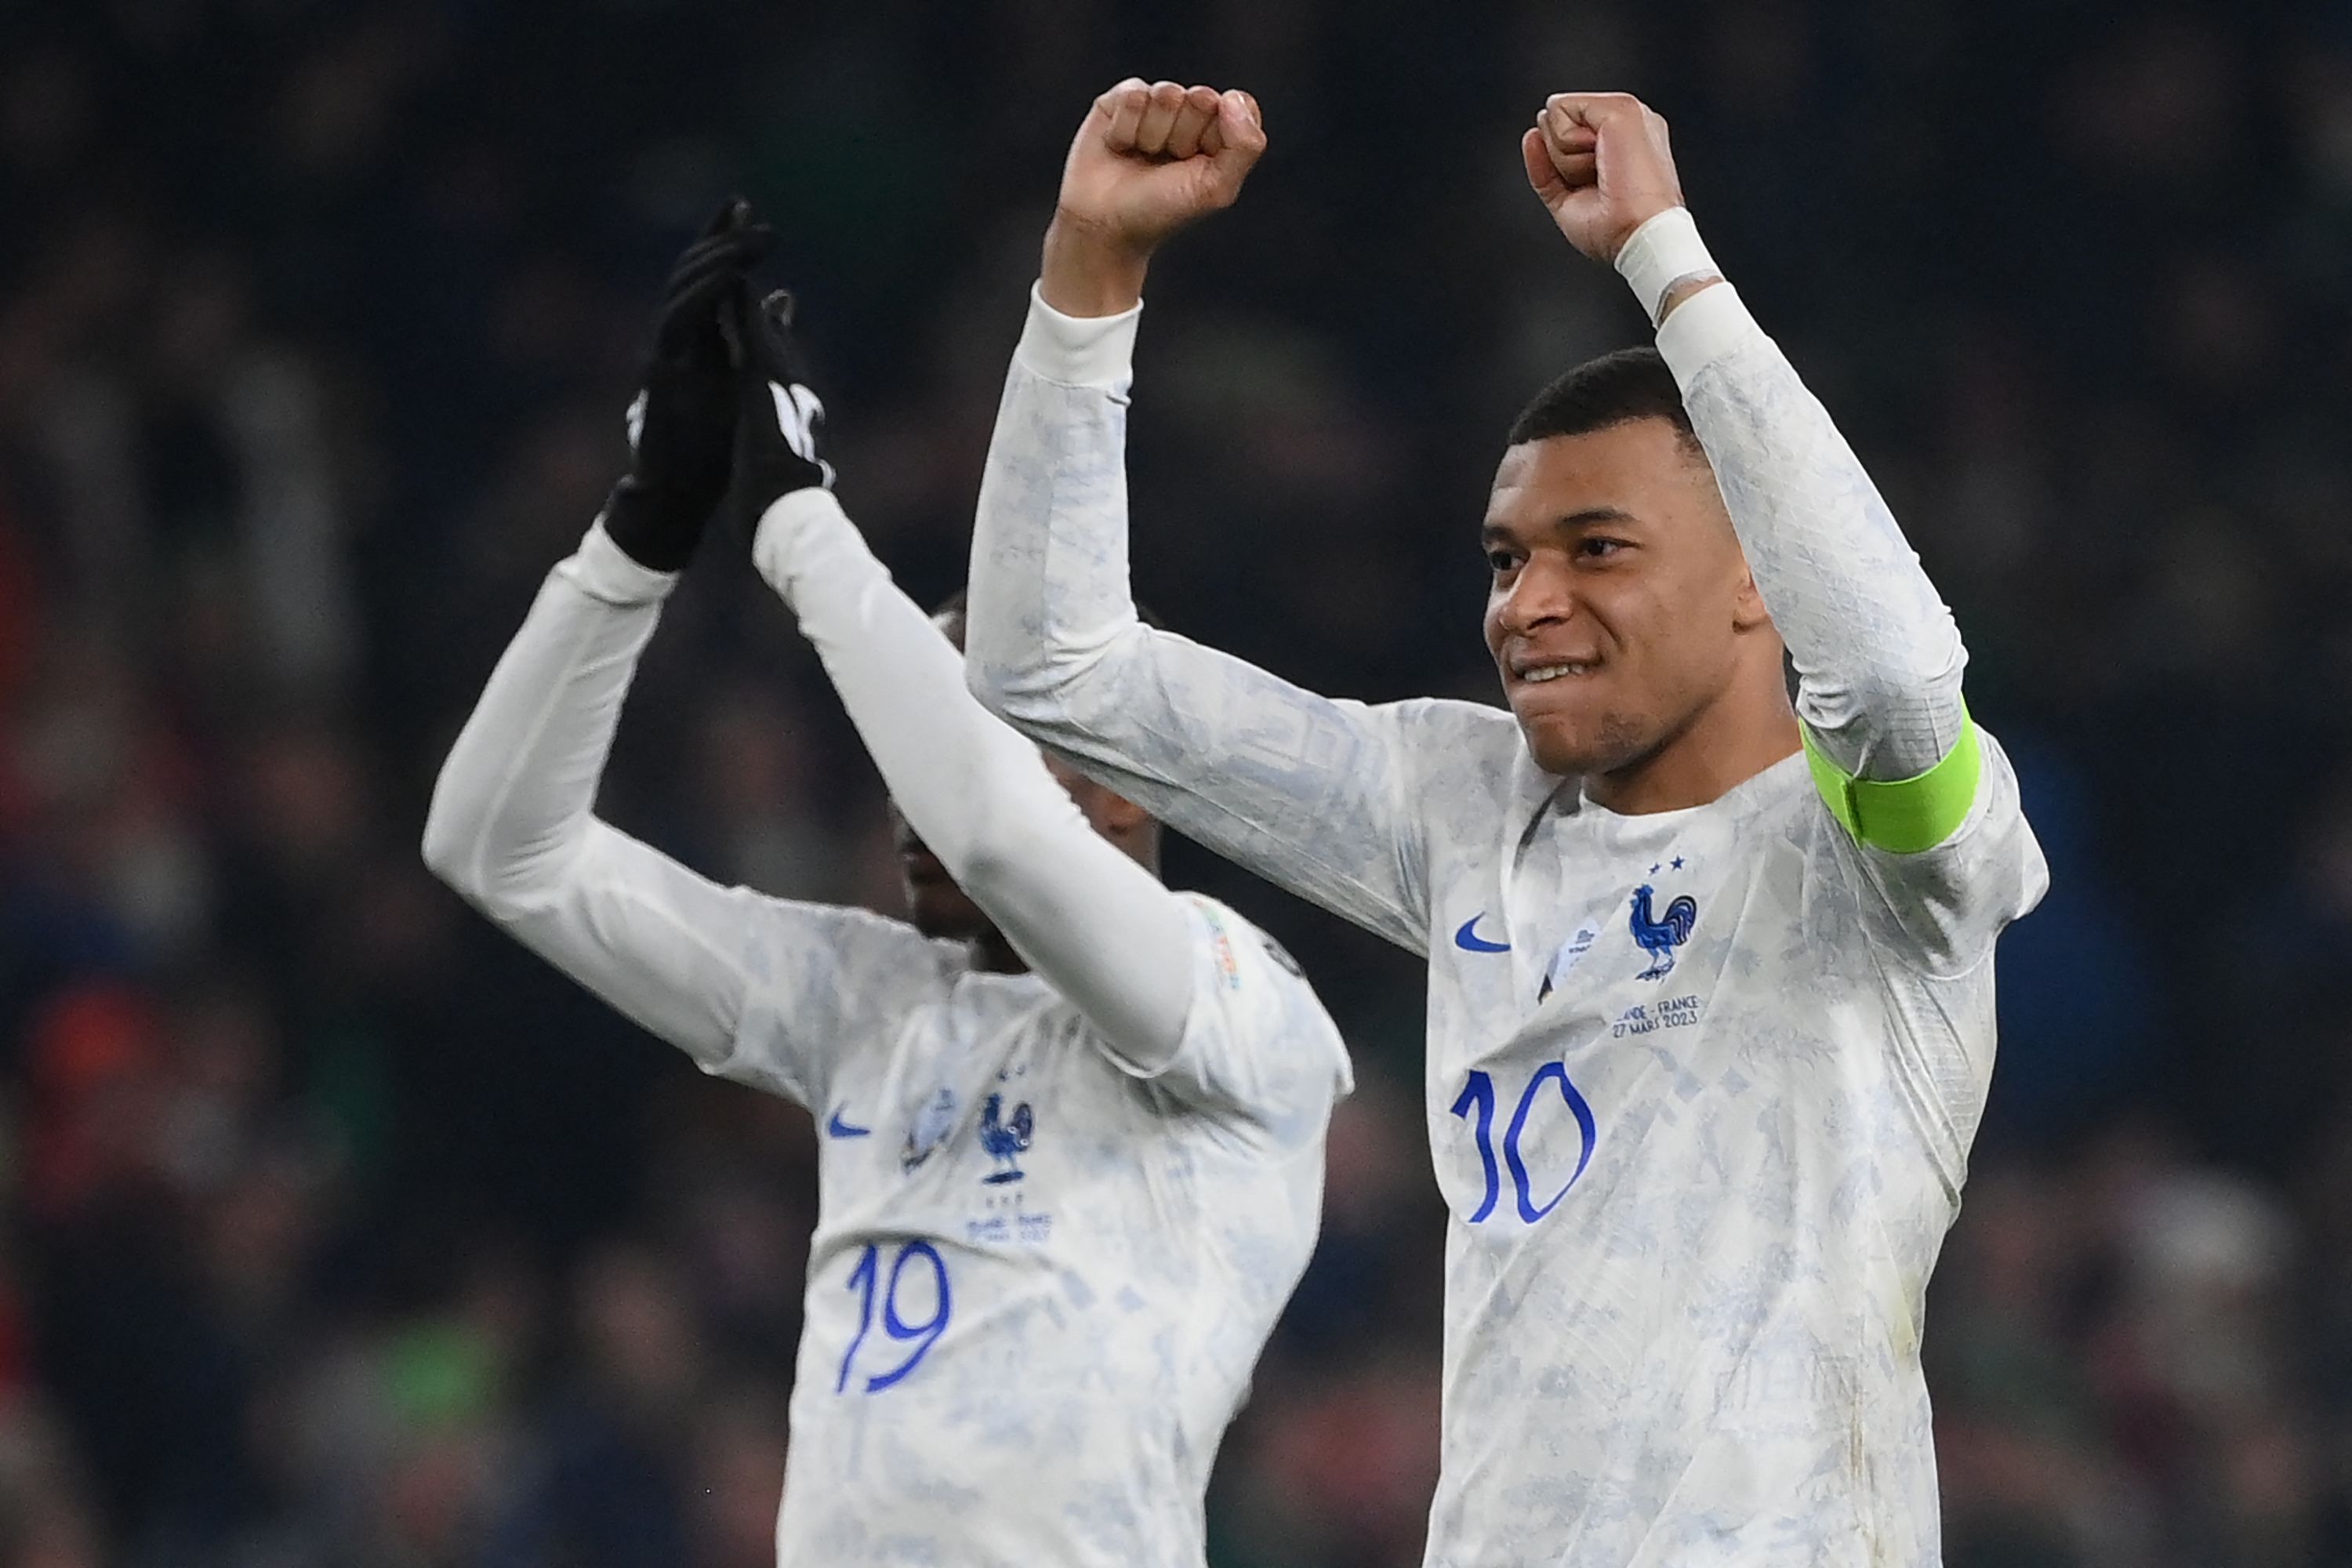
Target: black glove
(682,425)
(779,419)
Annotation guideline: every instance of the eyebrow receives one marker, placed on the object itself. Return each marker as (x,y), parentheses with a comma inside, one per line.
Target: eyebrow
(1572,521)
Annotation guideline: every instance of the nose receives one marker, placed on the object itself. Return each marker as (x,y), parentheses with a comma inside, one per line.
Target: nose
(1539,596)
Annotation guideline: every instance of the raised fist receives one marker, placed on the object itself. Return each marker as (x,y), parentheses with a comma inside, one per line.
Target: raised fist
(1601,163)
(1148,161)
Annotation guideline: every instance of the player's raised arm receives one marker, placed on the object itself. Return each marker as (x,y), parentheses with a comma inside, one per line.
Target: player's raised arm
(1878,658)
(1313,793)
(1098,927)
(754,987)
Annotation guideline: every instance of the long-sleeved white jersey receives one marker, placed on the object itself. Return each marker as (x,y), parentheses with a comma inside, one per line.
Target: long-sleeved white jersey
(1701,1084)
(1058,1212)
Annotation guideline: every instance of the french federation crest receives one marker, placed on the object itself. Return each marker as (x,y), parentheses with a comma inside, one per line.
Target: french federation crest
(1661,934)
(1005,1141)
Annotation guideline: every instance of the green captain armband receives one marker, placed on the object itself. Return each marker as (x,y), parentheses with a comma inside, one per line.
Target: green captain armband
(1904,815)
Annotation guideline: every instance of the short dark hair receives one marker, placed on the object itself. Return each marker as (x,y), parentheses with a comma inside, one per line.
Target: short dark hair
(1615,389)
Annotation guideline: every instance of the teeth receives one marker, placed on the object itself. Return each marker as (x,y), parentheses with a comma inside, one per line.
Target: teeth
(1553,672)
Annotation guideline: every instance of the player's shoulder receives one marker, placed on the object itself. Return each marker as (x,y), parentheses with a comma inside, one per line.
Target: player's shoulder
(1229,937)
(1261,995)
(1238,953)
(1944,905)
(877,951)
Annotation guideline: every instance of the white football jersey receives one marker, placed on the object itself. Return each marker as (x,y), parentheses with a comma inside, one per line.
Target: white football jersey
(1701,1086)
(1701,1083)
(1045,1262)
(1038,1281)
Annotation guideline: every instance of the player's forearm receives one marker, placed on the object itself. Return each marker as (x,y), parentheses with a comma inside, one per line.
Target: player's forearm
(1302,790)
(1878,657)
(511,826)
(514,798)
(1096,924)
(1053,642)
(1050,600)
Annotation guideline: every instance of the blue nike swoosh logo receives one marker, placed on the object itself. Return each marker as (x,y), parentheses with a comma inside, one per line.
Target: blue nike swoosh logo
(836,1127)
(1469,941)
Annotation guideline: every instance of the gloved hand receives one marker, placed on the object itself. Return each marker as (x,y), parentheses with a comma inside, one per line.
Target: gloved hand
(778,419)
(682,425)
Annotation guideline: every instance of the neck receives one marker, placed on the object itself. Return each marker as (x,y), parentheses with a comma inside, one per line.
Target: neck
(1746,729)
(991,955)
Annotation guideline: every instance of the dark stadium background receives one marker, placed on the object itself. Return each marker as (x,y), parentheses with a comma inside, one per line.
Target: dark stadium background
(337,1231)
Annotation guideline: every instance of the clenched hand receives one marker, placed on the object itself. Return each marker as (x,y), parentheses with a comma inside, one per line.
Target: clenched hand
(1148,161)
(1601,163)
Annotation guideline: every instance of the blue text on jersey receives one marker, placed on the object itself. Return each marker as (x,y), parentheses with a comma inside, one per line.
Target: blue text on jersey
(1479,1096)
(928,1331)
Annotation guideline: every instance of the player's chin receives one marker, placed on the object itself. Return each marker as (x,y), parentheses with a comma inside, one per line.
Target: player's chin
(1576,738)
(942,911)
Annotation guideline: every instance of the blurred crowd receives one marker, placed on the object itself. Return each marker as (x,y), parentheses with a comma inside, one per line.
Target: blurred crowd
(335,1230)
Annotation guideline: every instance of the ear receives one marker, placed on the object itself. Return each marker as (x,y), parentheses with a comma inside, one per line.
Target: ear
(1117,815)
(1747,611)
(1110,812)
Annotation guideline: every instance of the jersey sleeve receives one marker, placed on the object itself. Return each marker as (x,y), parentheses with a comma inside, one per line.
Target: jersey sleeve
(1098,927)
(1258,1047)
(1321,796)
(1944,907)
(766,991)
(1927,802)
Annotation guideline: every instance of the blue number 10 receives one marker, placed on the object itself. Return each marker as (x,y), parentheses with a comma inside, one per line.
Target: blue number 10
(1480,1092)
(928,1331)
(1479,1096)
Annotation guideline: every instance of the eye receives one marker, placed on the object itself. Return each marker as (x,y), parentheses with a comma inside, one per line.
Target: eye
(1500,561)
(1596,547)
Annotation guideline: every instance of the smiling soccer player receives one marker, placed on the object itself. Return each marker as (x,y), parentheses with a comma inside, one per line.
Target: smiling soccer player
(1073,1121)
(1711,999)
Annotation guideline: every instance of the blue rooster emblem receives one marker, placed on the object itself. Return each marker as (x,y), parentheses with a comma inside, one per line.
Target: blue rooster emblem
(1005,1141)
(1659,937)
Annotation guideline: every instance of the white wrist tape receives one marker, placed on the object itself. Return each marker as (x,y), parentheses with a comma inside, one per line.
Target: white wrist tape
(1660,253)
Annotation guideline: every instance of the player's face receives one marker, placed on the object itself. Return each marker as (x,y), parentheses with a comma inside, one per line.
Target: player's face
(1617,592)
(936,905)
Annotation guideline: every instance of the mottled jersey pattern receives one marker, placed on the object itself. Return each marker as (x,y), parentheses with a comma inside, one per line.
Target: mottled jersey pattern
(1700,1084)
(1041,1273)
(1038,1283)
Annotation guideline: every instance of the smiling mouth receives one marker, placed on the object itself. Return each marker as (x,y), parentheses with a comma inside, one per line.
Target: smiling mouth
(1559,669)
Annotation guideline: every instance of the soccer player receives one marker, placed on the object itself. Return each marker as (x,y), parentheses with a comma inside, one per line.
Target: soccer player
(1072,1122)
(1711,990)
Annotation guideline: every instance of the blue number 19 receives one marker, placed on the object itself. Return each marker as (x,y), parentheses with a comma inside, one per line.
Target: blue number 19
(928,1331)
